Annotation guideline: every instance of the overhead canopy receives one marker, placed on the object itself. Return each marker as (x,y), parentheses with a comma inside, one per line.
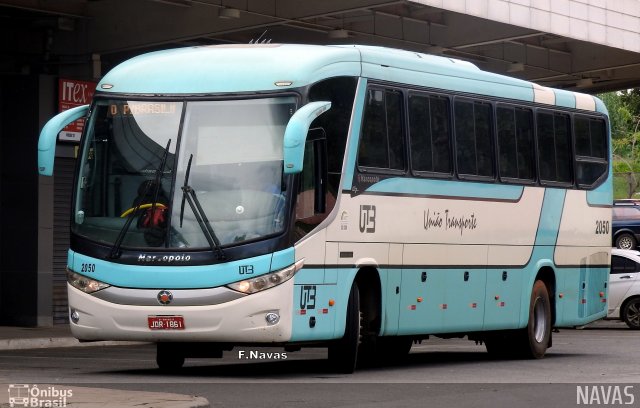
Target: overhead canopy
(579,45)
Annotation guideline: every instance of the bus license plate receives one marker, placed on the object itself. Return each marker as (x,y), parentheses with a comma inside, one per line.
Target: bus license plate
(166,322)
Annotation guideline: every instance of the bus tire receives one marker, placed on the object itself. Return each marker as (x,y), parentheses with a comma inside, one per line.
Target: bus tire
(168,357)
(535,338)
(343,354)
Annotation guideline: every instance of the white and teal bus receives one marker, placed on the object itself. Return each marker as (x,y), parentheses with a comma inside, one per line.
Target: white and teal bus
(352,197)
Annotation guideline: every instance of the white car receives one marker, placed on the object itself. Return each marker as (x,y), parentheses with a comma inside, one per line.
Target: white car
(624,287)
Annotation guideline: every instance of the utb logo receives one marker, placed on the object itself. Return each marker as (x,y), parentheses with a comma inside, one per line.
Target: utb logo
(368,218)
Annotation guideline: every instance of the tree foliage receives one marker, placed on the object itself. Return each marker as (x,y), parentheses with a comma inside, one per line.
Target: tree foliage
(631,98)
(624,119)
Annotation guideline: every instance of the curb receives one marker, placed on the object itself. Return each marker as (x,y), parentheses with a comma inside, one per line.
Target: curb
(58,342)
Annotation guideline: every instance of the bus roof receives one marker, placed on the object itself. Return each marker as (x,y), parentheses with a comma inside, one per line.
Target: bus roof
(268,67)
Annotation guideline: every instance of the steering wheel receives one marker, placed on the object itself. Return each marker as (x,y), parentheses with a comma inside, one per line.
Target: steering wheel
(142,207)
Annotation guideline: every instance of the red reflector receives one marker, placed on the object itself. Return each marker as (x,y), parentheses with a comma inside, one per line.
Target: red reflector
(412,307)
(501,304)
(303,312)
(325,311)
(604,300)
(473,305)
(584,301)
(443,306)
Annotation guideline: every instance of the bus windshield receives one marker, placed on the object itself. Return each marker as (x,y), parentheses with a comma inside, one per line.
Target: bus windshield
(135,151)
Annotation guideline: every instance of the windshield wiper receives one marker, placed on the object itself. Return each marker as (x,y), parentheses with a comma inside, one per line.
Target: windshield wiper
(189,194)
(115,250)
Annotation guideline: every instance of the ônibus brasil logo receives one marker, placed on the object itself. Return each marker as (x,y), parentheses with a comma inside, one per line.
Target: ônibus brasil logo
(24,395)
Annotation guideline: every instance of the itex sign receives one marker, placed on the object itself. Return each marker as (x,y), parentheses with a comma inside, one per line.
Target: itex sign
(72,93)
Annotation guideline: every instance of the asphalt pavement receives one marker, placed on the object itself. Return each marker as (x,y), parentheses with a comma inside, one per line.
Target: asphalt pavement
(22,338)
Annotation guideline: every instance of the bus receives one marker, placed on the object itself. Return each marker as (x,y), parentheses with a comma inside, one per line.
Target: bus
(357,198)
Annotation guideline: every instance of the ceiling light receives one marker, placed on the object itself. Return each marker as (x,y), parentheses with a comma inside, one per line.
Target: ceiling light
(229,13)
(338,33)
(516,67)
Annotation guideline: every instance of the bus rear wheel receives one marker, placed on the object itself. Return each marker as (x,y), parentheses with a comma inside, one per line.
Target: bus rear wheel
(536,336)
(533,340)
(343,354)
(169,357)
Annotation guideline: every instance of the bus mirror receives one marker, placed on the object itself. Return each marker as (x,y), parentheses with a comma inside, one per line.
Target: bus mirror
(49,135)
(296,134)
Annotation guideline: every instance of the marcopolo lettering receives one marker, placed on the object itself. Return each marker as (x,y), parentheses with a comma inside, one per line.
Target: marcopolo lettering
(164,258)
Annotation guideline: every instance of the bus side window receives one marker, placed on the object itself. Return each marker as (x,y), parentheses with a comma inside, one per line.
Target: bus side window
(430,134)
(382,139)
(515,143)
(554,147)
(591,150)
(473,130)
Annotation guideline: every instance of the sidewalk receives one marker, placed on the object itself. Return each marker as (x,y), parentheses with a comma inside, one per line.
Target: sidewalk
(84,397)
(22,338)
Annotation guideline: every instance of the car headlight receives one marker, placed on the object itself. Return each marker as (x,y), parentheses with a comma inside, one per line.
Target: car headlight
(87,285)
(267,281)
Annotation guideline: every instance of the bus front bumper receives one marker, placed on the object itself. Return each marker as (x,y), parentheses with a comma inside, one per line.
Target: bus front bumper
(238,321)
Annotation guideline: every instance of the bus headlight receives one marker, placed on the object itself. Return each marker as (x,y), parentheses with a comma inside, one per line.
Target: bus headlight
(83,283)
(267,281)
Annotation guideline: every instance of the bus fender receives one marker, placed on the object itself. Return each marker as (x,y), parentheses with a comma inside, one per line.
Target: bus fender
(343,288)
(528,287)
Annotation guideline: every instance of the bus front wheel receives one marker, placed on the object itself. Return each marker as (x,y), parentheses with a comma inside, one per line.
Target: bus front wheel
(343,354)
